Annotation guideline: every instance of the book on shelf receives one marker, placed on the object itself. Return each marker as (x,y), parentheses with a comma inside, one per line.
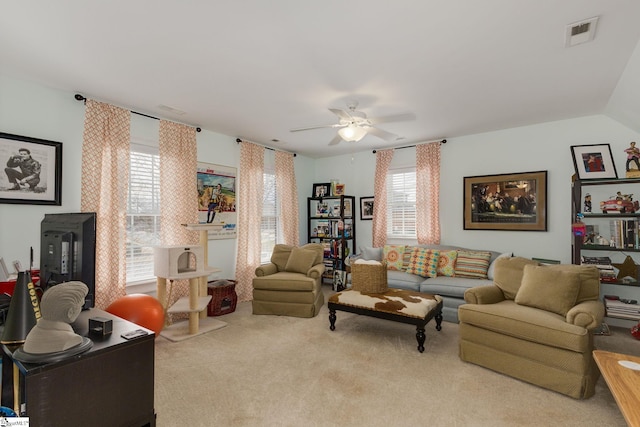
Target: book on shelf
(603,262)
(624,233)
(617,308)
(608,273)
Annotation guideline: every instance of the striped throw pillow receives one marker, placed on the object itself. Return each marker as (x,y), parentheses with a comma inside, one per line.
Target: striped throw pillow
(473,264)
(406,257)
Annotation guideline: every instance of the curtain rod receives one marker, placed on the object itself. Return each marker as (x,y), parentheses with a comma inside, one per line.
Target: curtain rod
(238,140)
(79,97)
(444,141)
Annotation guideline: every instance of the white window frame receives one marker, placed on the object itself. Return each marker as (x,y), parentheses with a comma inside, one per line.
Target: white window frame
(270,233)
(401,203)
(143,264)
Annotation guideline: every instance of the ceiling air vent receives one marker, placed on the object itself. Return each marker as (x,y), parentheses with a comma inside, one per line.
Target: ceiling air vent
(580,32)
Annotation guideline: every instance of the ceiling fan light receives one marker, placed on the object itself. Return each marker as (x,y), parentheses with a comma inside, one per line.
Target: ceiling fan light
(352,133)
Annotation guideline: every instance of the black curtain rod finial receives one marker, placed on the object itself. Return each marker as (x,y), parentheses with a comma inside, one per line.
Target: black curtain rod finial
(79,97)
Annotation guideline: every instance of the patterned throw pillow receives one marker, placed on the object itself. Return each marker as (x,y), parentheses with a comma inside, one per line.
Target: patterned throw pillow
(406,257)
(447,263)
(393,255)
(424,262)
(472,264)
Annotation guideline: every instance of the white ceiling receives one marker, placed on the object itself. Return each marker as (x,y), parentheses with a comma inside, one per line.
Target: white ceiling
(256,69)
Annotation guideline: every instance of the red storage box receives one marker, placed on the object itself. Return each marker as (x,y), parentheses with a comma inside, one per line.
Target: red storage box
(223,297)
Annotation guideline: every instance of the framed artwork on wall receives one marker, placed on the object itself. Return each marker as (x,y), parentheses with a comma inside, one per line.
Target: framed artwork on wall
(515,201)
(321,190)
(593,161)
(32,170)
(366,208)
(217,199)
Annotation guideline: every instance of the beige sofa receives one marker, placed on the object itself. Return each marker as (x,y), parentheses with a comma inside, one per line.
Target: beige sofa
(535,323)
(290,285)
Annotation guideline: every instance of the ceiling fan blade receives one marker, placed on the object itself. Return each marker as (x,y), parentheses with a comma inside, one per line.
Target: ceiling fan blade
(342,114)
(394,118)
(382,134)
(336,139)
(337,125)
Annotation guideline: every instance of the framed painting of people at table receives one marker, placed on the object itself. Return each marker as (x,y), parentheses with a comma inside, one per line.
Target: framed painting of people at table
(32,170)
(515,201)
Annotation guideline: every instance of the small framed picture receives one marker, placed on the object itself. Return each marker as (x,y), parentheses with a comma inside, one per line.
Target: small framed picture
(593,161)
(321,190)
(339,190)
(347,208)
(366,208)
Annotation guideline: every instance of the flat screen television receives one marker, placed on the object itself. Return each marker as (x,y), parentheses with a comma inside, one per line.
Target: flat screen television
(68,251)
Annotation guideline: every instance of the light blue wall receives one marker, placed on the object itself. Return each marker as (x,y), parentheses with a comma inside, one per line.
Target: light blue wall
(36,111)
(525,149)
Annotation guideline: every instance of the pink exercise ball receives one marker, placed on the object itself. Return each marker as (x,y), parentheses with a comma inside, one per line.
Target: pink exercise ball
(141,309)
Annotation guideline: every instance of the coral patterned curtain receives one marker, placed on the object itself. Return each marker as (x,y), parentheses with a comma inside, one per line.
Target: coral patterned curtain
(178,166)
(383,160)
(104,186)
(428,193)
(251,188)
(287,192)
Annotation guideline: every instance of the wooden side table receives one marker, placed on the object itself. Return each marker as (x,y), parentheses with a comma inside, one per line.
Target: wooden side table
(624,382)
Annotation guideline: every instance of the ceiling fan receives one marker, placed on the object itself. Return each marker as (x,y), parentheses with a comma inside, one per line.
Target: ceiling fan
(354,125)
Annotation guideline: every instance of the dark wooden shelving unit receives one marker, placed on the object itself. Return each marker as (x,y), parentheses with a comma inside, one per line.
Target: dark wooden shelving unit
(340,243)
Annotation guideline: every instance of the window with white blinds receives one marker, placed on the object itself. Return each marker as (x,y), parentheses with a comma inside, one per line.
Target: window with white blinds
(401,203)
(269,224)
(143,212)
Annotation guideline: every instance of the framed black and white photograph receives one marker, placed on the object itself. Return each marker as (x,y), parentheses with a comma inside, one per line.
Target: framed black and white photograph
(366,208)
(321,190)
(32,172)
(514,201)
(593,161)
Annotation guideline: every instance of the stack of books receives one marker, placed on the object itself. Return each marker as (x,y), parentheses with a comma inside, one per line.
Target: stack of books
(607,273)
(617,308)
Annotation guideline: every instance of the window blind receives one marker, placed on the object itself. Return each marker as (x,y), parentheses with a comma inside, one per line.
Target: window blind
(143,212)
(401,203)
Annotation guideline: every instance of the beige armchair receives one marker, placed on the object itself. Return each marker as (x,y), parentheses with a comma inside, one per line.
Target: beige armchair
(290,285)
(535,324)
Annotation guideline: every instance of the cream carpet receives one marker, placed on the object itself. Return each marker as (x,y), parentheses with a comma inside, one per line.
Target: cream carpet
(179,331)
(286,371)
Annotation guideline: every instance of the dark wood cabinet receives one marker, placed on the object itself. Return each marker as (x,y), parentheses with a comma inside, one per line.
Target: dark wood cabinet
(112,384)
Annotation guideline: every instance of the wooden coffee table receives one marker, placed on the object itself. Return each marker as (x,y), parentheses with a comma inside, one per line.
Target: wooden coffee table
(624,382)
(397,305)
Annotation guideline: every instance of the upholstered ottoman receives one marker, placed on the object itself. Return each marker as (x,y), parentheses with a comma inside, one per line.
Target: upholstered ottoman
(398,305)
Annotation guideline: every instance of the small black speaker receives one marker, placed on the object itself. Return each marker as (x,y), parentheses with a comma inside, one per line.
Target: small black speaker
(100,327)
